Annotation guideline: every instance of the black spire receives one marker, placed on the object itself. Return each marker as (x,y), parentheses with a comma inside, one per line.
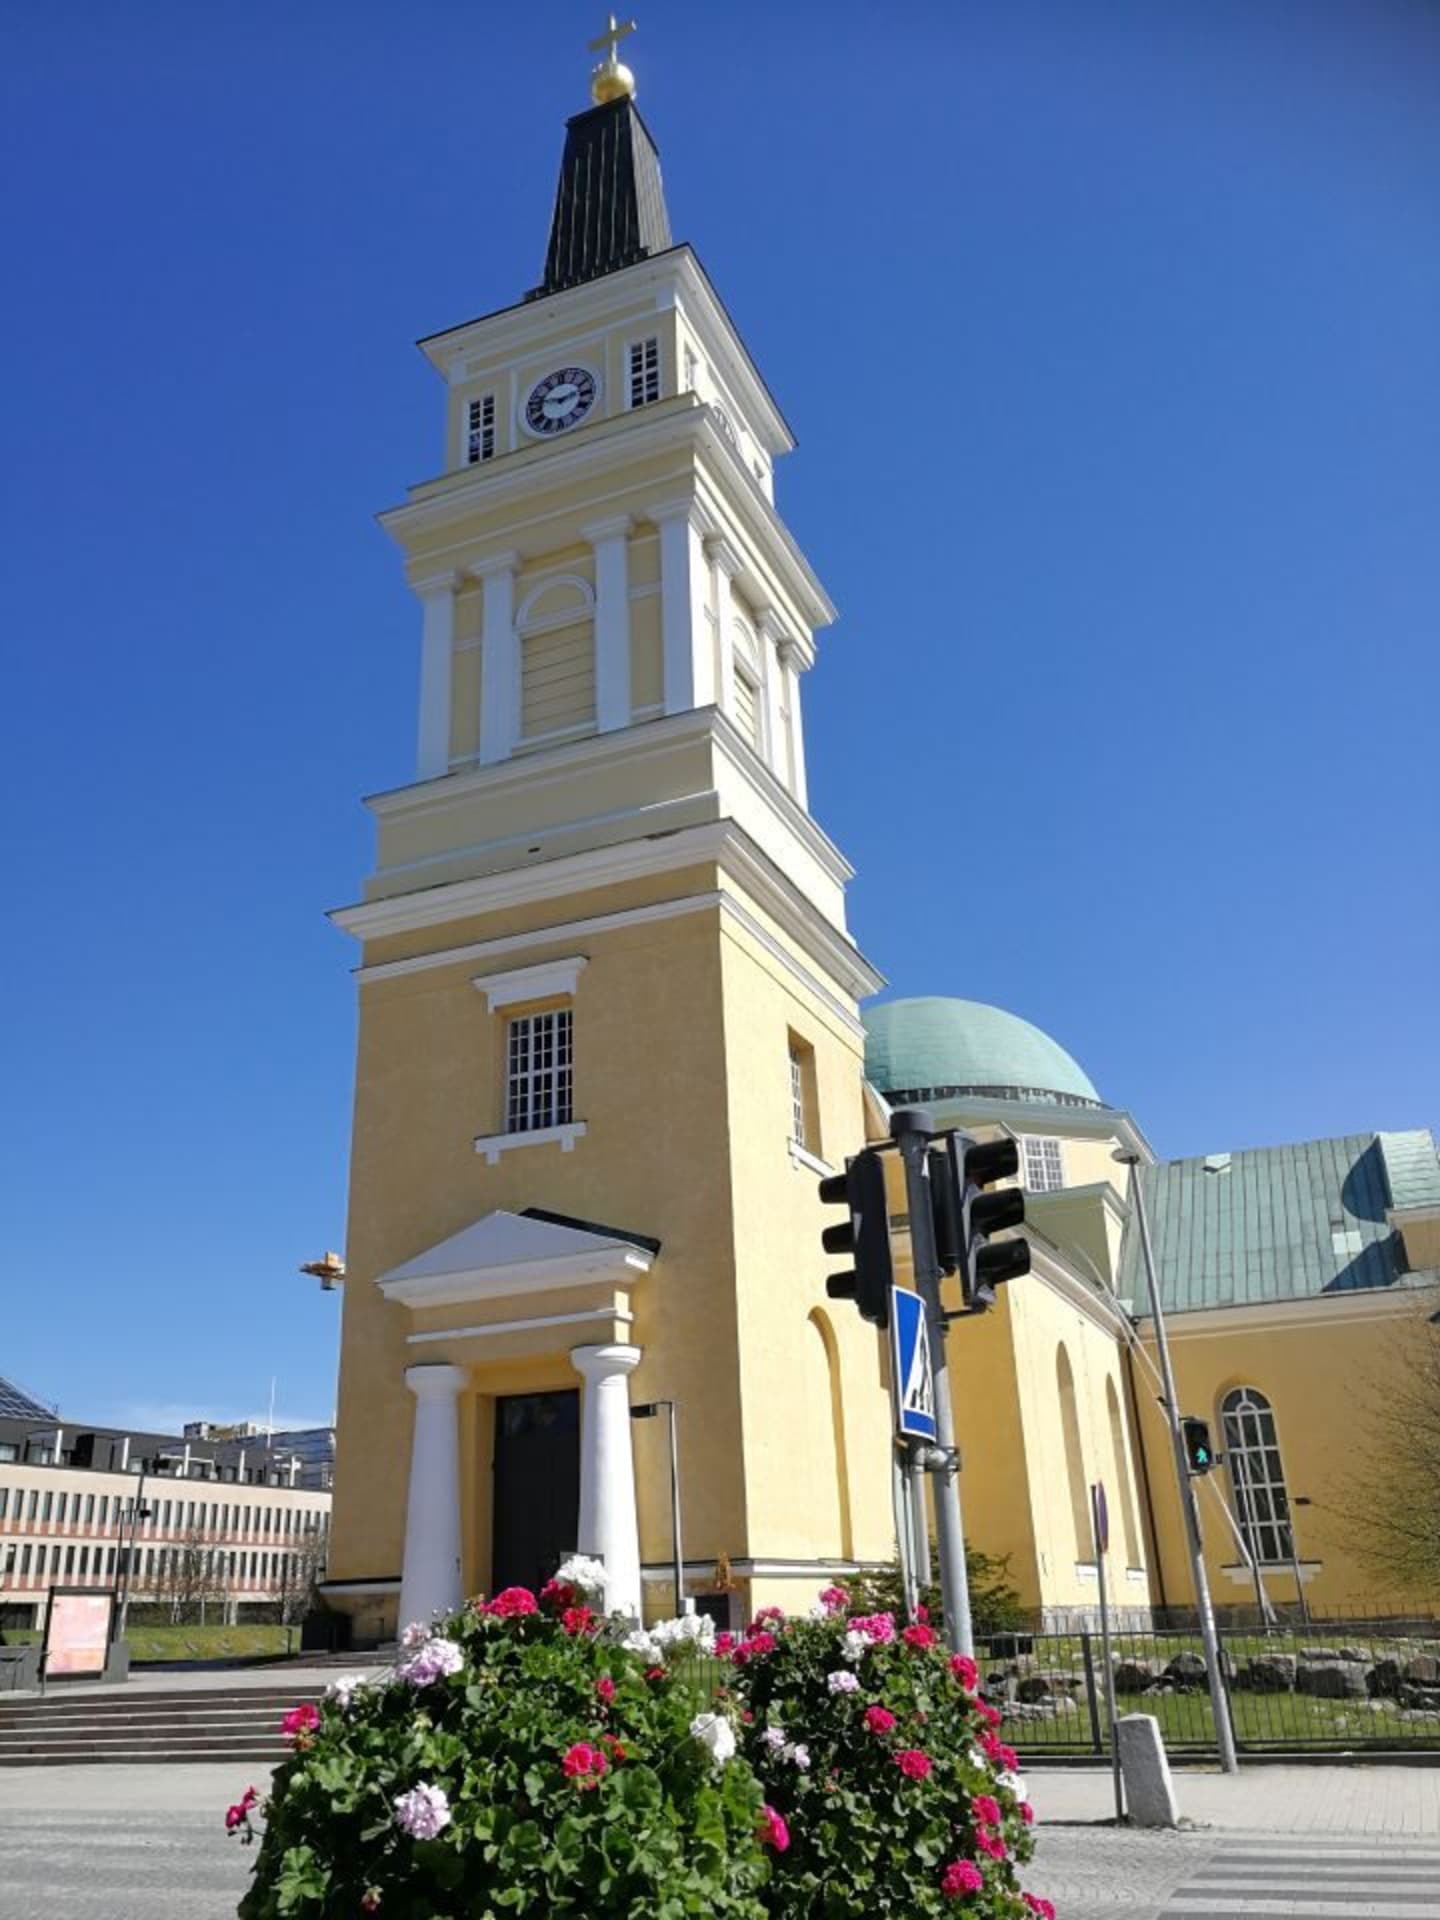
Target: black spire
(609,205)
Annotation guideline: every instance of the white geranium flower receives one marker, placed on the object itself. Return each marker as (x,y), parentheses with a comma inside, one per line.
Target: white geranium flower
(798,1756)
(854,1646)
(415,1635)
(343,1690)
(643,1643)
(692,1629)
(842,1681)
(583,1572)
(715,1731)
(774,1737)
(1013,1783)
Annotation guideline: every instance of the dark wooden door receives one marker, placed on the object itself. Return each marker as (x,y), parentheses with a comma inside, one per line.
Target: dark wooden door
(537,1486)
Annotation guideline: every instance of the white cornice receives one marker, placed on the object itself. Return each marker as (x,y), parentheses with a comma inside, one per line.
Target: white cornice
(674,277)
(611,447)
(542,982)
(614,1267)
(1312,1311)
(1047,1266)
(489,1330)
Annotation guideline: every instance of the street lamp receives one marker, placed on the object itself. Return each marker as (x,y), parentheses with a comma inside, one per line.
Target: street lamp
(647,1410)
(1219,1703)
(124,1560)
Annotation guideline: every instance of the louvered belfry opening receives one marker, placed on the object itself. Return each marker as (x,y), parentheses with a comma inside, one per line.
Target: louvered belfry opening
(609,205)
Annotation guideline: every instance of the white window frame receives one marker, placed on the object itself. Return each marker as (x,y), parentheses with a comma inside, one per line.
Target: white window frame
(1044,1163)
(642,371)
(799,1132)
(1257,1475)
(480,416)
(540,1070)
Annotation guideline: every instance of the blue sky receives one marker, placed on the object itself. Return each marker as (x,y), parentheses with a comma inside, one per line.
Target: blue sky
(1108,332)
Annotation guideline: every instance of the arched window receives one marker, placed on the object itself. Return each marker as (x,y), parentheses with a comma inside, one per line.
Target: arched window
(1121,1456)
(830,1498)
(556,630)
(1074,1457)
(1252,1453)
(749,687)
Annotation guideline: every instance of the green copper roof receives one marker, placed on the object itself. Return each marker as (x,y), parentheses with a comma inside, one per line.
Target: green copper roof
(1276,1223)
(1412,1168)
(934,1045)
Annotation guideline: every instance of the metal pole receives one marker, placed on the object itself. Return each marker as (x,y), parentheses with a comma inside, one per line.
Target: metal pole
(135,1506)
(1219,1700)
(919,1521)
(912,1130)
(676,1548)
(1295,1568)
(1101,1546)
(901,1492)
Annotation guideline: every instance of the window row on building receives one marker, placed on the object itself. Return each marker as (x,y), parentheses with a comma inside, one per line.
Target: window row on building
(51,1561)
(44,1507)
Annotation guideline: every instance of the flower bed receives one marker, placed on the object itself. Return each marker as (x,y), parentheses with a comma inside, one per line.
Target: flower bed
(530,1757)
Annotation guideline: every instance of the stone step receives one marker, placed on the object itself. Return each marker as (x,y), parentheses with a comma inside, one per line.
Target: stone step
(77,1756)
(82,1713)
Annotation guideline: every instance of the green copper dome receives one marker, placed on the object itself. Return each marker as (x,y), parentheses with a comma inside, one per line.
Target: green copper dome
(937,1048)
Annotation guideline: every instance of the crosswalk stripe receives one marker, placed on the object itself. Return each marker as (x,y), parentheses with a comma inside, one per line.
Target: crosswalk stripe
(1360,1892)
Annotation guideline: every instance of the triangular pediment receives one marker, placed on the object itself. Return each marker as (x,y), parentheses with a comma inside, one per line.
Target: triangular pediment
(511,1253)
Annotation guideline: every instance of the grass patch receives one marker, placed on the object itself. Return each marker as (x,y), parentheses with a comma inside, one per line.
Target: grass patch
(209,1642)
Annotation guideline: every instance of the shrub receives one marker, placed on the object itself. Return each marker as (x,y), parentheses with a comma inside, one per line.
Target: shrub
(995,1606)
(892,1791)
(521,1760)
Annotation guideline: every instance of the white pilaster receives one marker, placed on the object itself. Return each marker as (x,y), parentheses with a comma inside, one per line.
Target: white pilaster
(724,565)
(437,650)
(499,658)
(430,1576)
(689,655)
(608,1525)
(610,542)
(772,645)
(790,665)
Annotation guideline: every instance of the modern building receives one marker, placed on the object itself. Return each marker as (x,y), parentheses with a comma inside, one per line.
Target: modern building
(610,1032)
(235,1521)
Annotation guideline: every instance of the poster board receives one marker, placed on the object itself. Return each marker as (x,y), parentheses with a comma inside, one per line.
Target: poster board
(77,1631)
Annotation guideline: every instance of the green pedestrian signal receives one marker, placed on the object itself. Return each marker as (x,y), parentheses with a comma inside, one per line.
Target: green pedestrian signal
(1199,1454)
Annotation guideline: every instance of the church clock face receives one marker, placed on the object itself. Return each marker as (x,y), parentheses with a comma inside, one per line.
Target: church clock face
(561,400)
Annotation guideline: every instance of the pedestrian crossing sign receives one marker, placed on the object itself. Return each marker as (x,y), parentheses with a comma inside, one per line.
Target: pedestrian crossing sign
(912,1385)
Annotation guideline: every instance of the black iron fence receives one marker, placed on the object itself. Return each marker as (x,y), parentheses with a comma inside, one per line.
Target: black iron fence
(1331,1689)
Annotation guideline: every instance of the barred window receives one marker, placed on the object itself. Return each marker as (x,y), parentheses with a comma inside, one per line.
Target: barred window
(1044,1171)
(644,371)
(1252,1454)
(480,430)
(539,1071)
(797,1095)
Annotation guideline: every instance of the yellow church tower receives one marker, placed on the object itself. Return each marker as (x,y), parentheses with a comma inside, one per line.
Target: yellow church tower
(608,1028)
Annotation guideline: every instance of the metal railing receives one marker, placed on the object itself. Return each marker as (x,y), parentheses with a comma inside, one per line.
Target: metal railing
(1325,1688)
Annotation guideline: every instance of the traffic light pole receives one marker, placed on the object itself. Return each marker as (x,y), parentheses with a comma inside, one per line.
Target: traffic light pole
(1219,1699)
(911,1129)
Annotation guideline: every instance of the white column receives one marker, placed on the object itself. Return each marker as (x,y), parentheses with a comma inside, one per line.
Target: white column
(608,1525)
(609,540)
(689,661)
(499,658)
(790,666)
(437,647)
(724,565)
(430,1577)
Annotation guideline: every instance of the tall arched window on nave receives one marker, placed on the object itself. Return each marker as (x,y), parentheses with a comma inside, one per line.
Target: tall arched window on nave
(1252,1454)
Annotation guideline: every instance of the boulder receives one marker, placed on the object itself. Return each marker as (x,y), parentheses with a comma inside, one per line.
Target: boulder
(1383,1680)
(1356,1653)
(1268,1673)
(1425,1699)
(1332,1679)
(1046,1684)
(1134,1676)
(1187,1671)
(1423,1669)
(1316,1654)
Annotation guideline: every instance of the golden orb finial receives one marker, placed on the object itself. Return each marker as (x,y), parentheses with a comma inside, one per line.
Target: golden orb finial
(612,80)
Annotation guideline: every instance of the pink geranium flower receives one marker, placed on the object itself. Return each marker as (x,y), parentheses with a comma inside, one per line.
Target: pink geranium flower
(987,1808)
(1039,1905)
(578,1620)
(879,1719)
(1027,1813)
(605,1687)
(239,1814)
(772,1830)
(512,1600)
(964,1670)
(558,1594)
(876,1627)
(834,1599)
(584,1764)
(961,1876)
(300,1722)
(919,1636)
(990,1843)
(914,1764)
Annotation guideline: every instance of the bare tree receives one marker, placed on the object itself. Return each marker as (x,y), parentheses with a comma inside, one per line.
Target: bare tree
(1391,1505)
(301,1567)
(189,1577)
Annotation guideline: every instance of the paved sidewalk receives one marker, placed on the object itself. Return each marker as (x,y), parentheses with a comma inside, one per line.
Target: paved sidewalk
(1402,1802)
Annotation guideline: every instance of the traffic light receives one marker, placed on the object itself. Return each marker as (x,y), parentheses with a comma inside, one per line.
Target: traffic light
(866,1235)
(966,1216)
(1199,1454)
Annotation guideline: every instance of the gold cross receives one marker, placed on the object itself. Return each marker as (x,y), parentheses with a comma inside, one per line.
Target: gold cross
(612,37)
